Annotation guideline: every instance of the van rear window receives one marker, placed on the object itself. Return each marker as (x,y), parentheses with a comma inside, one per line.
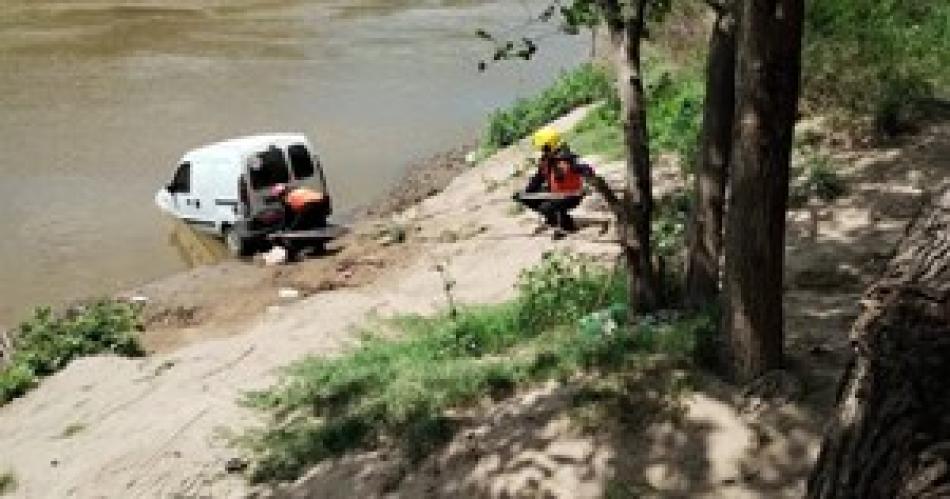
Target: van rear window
(271,171)
(300,161)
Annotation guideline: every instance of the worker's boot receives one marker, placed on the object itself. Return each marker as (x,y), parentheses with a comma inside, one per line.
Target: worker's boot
(567,223)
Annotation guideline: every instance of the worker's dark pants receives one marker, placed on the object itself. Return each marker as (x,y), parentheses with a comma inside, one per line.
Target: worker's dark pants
(556,212)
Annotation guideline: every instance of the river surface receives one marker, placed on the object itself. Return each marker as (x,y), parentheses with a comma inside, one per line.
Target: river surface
(98,100)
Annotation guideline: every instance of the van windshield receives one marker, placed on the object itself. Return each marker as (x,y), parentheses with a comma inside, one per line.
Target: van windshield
(300,161)
(272,169)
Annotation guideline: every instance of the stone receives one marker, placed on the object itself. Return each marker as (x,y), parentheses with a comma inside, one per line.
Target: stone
(235,465)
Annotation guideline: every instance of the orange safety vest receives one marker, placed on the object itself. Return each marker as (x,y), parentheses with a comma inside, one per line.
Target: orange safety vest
(563,178)
(301,197)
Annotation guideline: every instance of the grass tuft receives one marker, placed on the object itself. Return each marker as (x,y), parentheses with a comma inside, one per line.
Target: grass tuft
(72,430)
(8,483)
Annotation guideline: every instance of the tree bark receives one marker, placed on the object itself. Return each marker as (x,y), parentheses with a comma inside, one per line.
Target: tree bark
(890,436)
(768,67)
(715,151)
(626,34)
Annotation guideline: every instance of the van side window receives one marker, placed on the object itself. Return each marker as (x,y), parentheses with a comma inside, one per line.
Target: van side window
(272,169)
(300,161)
(182,182)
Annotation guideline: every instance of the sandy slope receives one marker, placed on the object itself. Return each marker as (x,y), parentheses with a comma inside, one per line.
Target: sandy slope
(152,427)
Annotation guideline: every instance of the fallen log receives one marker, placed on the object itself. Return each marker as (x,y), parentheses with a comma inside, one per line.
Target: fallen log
(890,433)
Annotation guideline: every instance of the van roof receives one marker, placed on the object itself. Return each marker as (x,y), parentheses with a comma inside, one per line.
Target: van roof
(239,147)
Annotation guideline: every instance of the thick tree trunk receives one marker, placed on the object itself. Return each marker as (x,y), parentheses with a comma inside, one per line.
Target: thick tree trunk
(768,68)
(715,151)
(890,437)
(635,237)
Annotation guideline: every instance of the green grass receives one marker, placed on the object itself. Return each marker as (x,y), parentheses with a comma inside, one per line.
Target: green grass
(877,58)
(600,133)
(585,85)
(8,482)
(674,112)
(567,318)
(48,342)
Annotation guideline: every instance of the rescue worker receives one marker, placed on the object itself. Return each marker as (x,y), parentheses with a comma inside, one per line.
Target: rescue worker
(560,174)
(303,208)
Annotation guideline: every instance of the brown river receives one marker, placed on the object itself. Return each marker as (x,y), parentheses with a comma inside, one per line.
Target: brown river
(99,99)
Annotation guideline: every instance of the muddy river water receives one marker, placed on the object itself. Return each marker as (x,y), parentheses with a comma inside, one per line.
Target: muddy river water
(98,99)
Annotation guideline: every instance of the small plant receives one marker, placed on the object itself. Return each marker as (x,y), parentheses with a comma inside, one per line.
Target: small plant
(48,342)
(8,482)
(72,430)
(393,233)
(819,179)
(563,289)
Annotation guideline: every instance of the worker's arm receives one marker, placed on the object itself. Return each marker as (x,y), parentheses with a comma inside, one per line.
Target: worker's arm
(583,169)
(536,182)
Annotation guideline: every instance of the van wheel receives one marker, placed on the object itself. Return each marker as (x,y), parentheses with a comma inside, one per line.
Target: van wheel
(237,245)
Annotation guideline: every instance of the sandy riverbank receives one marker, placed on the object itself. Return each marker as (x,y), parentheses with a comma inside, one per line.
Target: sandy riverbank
(152,427)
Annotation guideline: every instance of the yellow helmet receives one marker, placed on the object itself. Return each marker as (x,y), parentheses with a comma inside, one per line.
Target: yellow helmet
(547,136)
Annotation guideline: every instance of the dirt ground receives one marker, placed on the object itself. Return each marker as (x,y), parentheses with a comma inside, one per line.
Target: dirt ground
(157,427)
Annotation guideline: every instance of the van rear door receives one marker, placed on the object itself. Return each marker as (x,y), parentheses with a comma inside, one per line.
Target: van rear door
(306,166)
(265,170)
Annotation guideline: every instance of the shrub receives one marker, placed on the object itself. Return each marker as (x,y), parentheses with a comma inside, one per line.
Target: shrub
(674,114)
(563,289)
(585,85)
(819,178)
(48,342)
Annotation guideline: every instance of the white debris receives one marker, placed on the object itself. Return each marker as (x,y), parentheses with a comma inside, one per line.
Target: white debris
(276,256)
(138,300)
(288,294)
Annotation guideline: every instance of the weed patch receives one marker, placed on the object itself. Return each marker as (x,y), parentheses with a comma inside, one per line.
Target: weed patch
(48,342)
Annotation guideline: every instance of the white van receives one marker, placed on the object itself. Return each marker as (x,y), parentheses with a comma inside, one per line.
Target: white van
(224,188)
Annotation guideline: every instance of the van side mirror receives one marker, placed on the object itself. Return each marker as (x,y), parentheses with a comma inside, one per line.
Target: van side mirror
(170,187)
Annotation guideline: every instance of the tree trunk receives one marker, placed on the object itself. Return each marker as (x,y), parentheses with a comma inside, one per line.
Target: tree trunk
(705,237)
(768,68)
(635,237)
(890,437)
